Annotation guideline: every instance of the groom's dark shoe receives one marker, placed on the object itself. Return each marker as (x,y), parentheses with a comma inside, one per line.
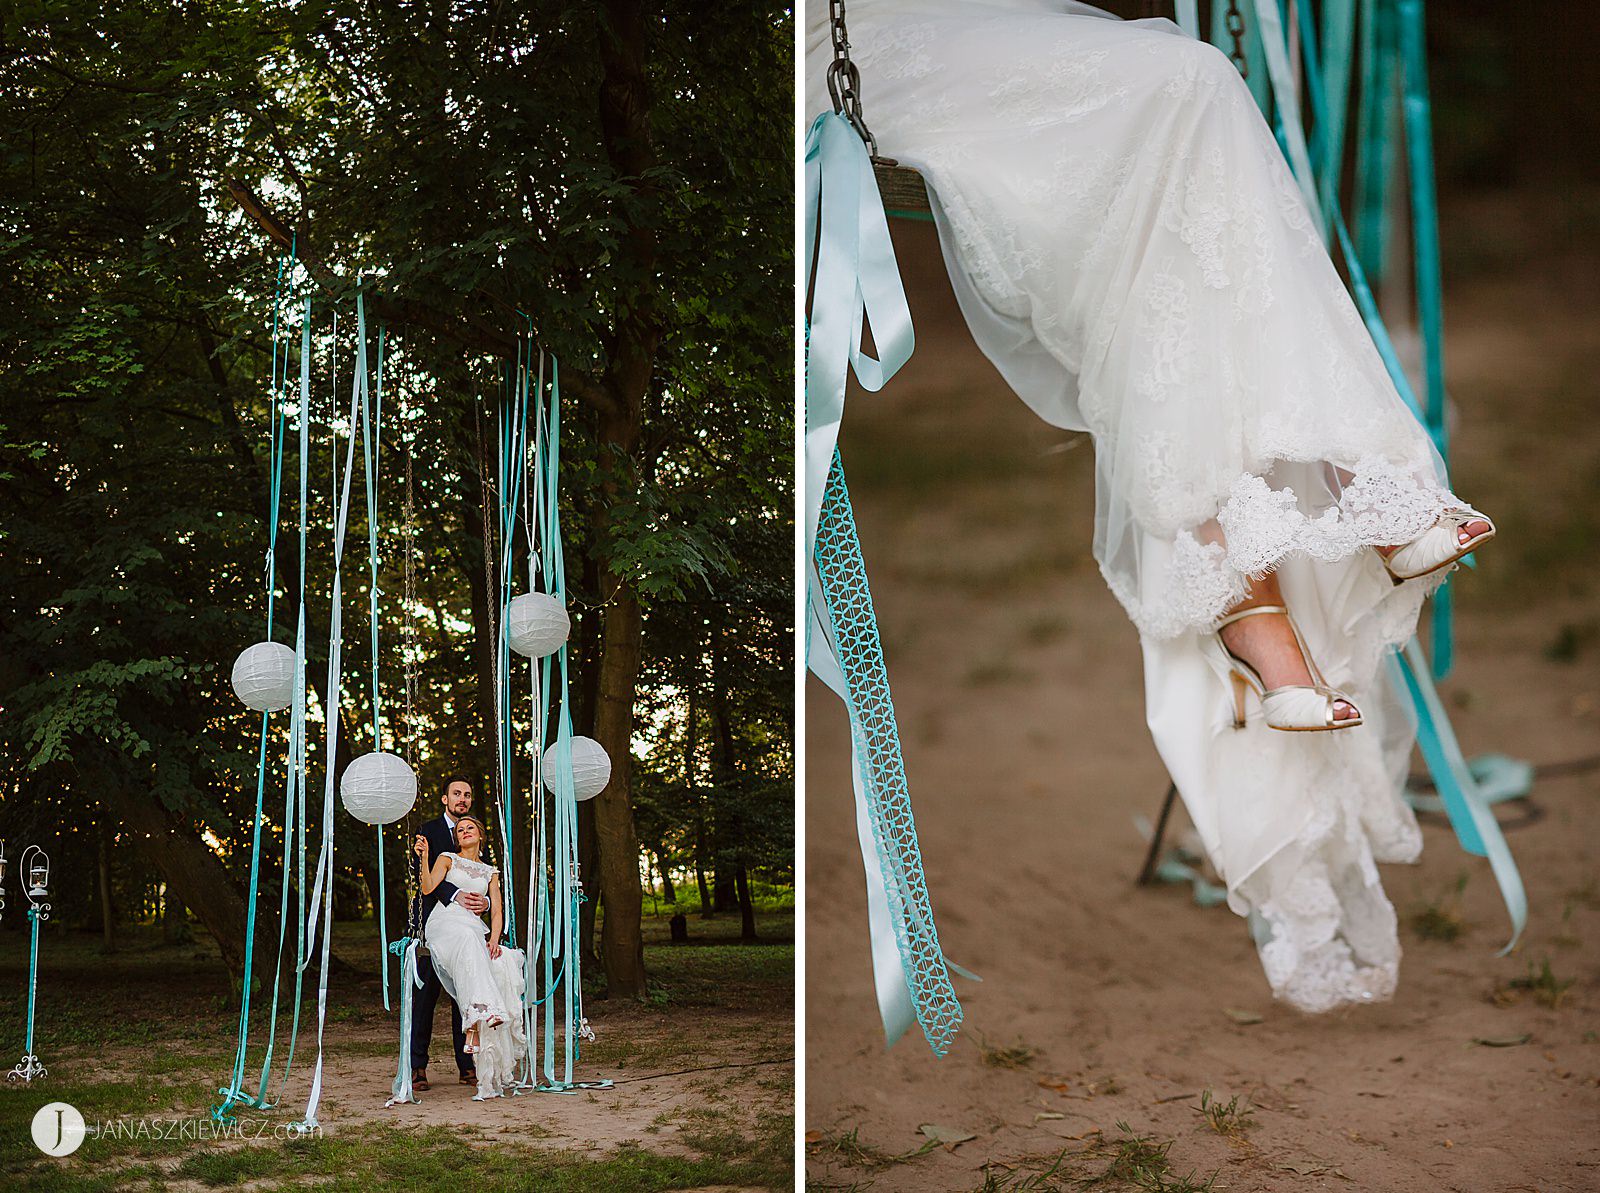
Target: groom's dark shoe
(419,1079)
(470,1077)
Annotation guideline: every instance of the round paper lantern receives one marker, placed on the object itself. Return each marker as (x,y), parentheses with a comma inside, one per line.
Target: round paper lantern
(591,768)
(378,788)
(263,676)
(537,624)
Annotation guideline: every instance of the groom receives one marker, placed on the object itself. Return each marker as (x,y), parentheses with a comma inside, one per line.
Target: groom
(439,835)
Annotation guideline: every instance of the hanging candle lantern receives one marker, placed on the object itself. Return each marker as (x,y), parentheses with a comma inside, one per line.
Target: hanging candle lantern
(591,768)
(378,788)
(263,676)
(37,868)
(537,624)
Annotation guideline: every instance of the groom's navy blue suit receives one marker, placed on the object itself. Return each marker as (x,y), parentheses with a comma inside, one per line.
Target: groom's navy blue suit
(441,839)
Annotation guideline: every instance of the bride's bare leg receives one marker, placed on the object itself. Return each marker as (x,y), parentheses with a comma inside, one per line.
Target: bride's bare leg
(1268,644)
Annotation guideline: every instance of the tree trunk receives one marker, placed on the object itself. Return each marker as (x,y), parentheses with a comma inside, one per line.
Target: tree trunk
(747,907)
(630,352)
(706,910)
(194,875)
(108,932)
(621,942)
(174,920)
(589,875)
(667,892)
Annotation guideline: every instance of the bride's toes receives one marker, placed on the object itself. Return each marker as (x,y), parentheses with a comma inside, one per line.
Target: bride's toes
(1343,710)
(1472,530)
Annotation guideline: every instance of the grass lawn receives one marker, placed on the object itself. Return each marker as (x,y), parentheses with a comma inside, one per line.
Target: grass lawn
(140,1039)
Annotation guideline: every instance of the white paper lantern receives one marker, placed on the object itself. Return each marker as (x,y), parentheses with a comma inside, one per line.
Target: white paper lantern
(263,676)
(537,624)
(591,768)
(378,788)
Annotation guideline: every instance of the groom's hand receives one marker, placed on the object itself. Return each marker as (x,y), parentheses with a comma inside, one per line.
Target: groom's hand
(476,904)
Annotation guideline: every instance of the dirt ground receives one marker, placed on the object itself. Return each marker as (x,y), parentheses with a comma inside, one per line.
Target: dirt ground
(702,1073)
(1017,682)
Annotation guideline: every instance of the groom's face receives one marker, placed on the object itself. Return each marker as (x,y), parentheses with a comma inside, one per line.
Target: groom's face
(458,798)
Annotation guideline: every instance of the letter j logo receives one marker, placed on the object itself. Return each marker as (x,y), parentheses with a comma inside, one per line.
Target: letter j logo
(58,1129)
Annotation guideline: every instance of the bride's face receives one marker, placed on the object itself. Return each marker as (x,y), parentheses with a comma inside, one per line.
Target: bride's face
(467,834)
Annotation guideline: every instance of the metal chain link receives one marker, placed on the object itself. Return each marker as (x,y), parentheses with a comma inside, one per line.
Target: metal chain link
(408,640)
(844,80)
(1235,23)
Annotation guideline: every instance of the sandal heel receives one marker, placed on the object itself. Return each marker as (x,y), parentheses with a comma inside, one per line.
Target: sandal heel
(1239,687)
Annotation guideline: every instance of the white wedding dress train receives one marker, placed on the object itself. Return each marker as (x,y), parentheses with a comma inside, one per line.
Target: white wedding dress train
(487,992)
(1130,250)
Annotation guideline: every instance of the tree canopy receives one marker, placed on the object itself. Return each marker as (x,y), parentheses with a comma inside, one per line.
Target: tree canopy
(617,176)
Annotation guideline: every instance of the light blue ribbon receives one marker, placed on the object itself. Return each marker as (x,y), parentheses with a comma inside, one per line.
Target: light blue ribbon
(406,949)
(1465,802)
(850,256)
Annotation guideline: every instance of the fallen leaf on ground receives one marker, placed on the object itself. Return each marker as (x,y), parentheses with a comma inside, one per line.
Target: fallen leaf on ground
(1504,1042)
(1244,1017)
(1044,1114)
(951,1137)
(815,1136)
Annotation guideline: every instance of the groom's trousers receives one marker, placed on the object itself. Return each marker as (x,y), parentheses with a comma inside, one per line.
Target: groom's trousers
(427,998)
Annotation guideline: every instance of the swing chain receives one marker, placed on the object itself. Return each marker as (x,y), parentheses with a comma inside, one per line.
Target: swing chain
(844,81)
(1235,24)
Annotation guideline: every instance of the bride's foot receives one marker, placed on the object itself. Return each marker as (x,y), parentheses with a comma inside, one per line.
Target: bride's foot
(1267,643)
(1458,531)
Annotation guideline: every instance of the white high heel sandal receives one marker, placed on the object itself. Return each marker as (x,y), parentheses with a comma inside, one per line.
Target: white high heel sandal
(1293,708)
(1438,546)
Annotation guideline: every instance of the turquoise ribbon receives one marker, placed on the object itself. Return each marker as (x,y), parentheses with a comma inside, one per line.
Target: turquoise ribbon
(1464,801)
(233,1093)
(851,258)
(406,949)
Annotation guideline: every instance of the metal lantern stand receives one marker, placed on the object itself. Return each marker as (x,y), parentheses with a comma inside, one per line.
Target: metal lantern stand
(36,886)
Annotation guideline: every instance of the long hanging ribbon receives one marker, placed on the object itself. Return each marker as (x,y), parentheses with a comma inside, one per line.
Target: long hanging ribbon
(1464,799)
(849,250)
(233,1093)
(323,886)
(371,440)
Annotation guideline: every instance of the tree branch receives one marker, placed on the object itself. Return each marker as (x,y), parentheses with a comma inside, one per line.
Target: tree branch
(462,330)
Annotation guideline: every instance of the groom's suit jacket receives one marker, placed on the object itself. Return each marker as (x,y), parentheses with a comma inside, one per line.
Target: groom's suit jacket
(441,839)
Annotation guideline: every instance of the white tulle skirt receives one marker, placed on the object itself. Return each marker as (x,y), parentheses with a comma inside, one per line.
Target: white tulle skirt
(1130,249)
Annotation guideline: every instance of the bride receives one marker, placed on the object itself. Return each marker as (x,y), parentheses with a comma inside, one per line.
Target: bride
(1129,248)
(484,977)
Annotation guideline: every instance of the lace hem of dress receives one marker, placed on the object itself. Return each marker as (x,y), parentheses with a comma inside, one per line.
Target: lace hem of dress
(1383,505)
(1326,932)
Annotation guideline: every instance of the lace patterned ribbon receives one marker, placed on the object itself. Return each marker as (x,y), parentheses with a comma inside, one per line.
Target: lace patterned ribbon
(848,246)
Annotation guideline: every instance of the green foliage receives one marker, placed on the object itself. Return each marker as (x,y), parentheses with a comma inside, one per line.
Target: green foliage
(453,159)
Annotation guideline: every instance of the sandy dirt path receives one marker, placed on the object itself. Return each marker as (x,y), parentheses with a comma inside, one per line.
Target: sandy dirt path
(1018,687)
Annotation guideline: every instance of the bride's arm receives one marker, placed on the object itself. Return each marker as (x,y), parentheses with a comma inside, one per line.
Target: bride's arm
(495,916)
(435,873)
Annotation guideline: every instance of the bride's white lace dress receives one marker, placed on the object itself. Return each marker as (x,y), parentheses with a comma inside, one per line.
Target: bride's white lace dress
(484,990)
(1129,248)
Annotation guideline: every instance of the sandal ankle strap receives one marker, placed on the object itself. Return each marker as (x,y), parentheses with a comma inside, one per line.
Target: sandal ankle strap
(1250,612)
